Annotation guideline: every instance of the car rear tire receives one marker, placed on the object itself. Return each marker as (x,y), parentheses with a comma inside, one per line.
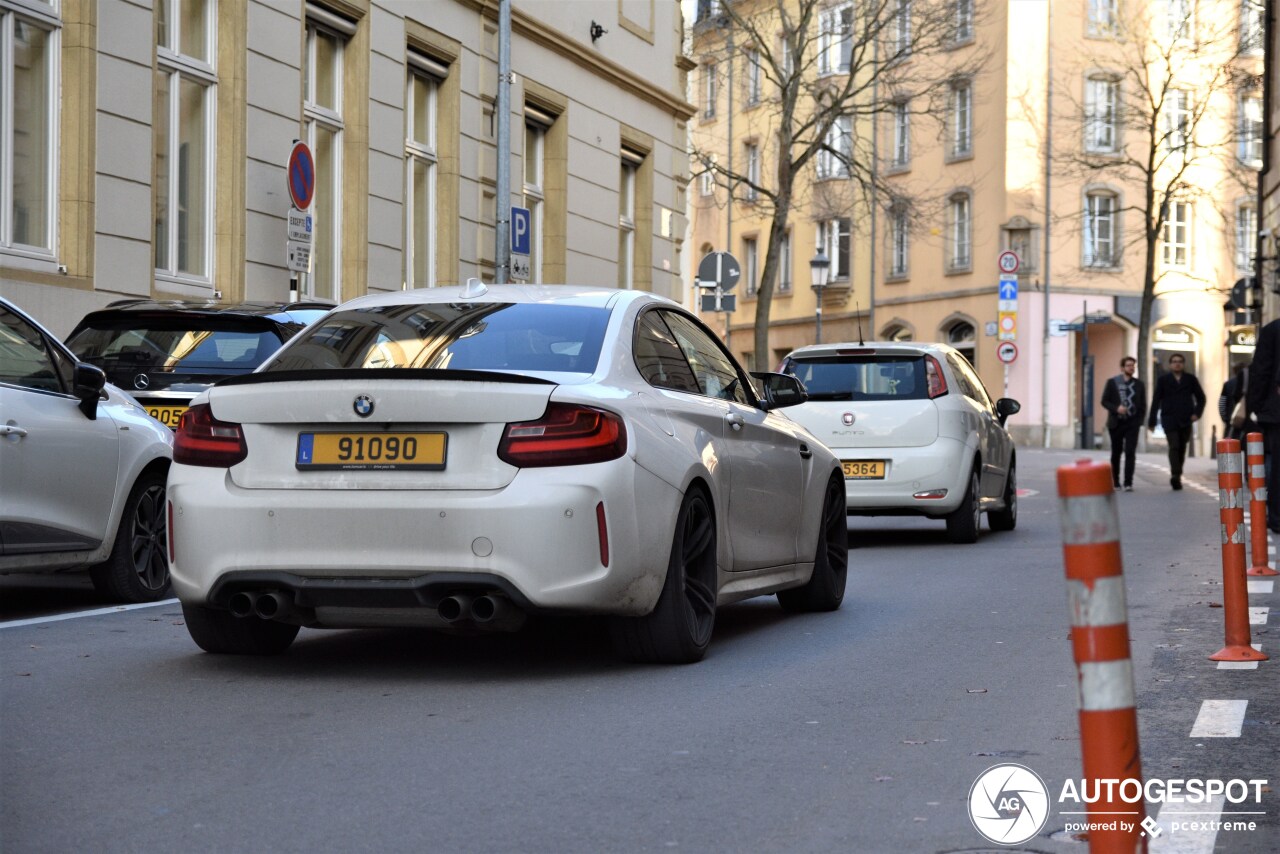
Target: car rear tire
(1007,519)
(138,568)
(825,588)
(219,632)
(678,630)
(963,522)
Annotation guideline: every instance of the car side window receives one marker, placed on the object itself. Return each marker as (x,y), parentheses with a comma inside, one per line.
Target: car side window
(658,356)
(26,360)
(716,373)
(973,387)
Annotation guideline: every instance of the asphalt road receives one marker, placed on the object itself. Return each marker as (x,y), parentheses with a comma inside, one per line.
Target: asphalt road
(857,731)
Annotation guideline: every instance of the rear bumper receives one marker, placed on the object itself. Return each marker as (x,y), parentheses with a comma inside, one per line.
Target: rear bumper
(944,464)
(536,541)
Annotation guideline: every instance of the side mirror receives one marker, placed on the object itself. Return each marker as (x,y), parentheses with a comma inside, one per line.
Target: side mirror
(87,382)
(780,390)
(1005,407)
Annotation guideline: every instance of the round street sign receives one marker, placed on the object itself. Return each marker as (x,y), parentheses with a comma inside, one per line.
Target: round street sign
(301,176)
(719,270)
(1009,262)
(1007,352)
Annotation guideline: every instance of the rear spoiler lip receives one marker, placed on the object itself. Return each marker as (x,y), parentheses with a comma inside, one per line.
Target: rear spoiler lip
(383,374)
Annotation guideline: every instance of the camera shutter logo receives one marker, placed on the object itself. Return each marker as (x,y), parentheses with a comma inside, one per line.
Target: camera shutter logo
(1008,804)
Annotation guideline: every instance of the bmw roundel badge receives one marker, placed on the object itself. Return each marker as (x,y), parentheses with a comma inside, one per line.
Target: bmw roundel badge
(363,405)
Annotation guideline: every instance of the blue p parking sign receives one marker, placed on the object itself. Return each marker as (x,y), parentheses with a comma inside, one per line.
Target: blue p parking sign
(521,231)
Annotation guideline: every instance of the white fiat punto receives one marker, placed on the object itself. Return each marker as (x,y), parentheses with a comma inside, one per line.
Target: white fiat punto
(915,430)
(464,456)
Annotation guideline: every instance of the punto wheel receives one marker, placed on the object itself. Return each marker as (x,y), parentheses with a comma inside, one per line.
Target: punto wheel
(138,568)
(965,520)
(220,632)
(825,588)
(678,631)
(1006,519)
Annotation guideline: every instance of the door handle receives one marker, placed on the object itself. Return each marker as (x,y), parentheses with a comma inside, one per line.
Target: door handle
(12,430)
(805,453)
(734,420)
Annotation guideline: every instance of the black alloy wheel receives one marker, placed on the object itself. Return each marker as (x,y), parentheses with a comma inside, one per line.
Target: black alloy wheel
(825,589)
(138,569)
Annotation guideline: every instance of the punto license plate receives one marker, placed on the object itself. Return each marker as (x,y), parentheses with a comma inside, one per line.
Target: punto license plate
(169,416)
(863,469)
(372,451)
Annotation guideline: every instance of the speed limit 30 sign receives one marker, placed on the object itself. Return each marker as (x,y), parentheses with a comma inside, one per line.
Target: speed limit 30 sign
(1007,352)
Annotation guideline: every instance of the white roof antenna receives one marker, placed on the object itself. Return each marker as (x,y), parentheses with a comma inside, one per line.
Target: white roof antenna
(475,288)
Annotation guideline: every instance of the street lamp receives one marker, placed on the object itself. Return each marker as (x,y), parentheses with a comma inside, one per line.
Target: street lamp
(819,269)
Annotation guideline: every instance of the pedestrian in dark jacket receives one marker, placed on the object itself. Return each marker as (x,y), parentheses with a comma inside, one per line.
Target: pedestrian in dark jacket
(1263,400)
(1125,399)
(1178,401)
(1232,392)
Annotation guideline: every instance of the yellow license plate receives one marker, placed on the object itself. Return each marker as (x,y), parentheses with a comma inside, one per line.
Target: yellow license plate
(372,451)
(863,469)
(167,415)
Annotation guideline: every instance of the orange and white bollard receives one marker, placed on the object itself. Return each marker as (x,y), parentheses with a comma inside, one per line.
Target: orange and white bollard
(1256,479)
(1100,643)
(1235,590)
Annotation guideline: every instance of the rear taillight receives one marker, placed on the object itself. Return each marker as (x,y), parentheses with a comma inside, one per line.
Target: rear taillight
(567,435)
(202,440)
(937,380)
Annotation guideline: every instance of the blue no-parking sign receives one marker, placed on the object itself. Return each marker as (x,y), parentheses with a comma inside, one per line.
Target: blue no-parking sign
(521,231)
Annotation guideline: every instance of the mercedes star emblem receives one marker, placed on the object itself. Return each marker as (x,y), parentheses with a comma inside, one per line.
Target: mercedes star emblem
(141,381)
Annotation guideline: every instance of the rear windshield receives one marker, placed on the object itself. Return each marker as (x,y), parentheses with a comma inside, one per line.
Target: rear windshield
(453,336)
(189,346)
(875,377)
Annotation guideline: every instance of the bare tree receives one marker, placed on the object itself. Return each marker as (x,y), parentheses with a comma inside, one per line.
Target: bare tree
(1164,116)
(824,72)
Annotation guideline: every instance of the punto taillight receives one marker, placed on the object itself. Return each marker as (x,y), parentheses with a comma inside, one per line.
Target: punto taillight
(937,380)
(202,440)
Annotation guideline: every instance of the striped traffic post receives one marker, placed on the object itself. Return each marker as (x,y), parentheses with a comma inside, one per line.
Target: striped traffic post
(1100,644)
(1255,466)
(1235,589)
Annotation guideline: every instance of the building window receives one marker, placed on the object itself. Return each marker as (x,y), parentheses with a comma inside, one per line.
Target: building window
(1249,130)
(898,245)
(963,20)
(959,234)
(707,180)
(1252,34)
(1100,230)
(902,28)
(784,265)
(961,118)
(835,157)
(1176,242)
(750,265)
(753,171)
(323,64)
(28,105)
(1103,18)
(963,337)
(630,169)
(835,39)
(420,168)
(709,90)
(1178,19)
(1246,235)
(536,126)
(896,332)
(1177,119)
(1102,97)
(901,134)
(833,239)
(754,75)
(182,126)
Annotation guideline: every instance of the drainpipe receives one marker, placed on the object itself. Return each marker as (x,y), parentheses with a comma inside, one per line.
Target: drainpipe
(1048,175)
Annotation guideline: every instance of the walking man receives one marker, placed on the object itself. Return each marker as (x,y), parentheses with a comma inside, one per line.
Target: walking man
(1125,399)
(1264,402)
(1179,401)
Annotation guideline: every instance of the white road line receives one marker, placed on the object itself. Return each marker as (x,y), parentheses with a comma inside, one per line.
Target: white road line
(97,612)
(1198,838)
(1262,586)
(1241,665)
(1258,616)
(1220,719)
